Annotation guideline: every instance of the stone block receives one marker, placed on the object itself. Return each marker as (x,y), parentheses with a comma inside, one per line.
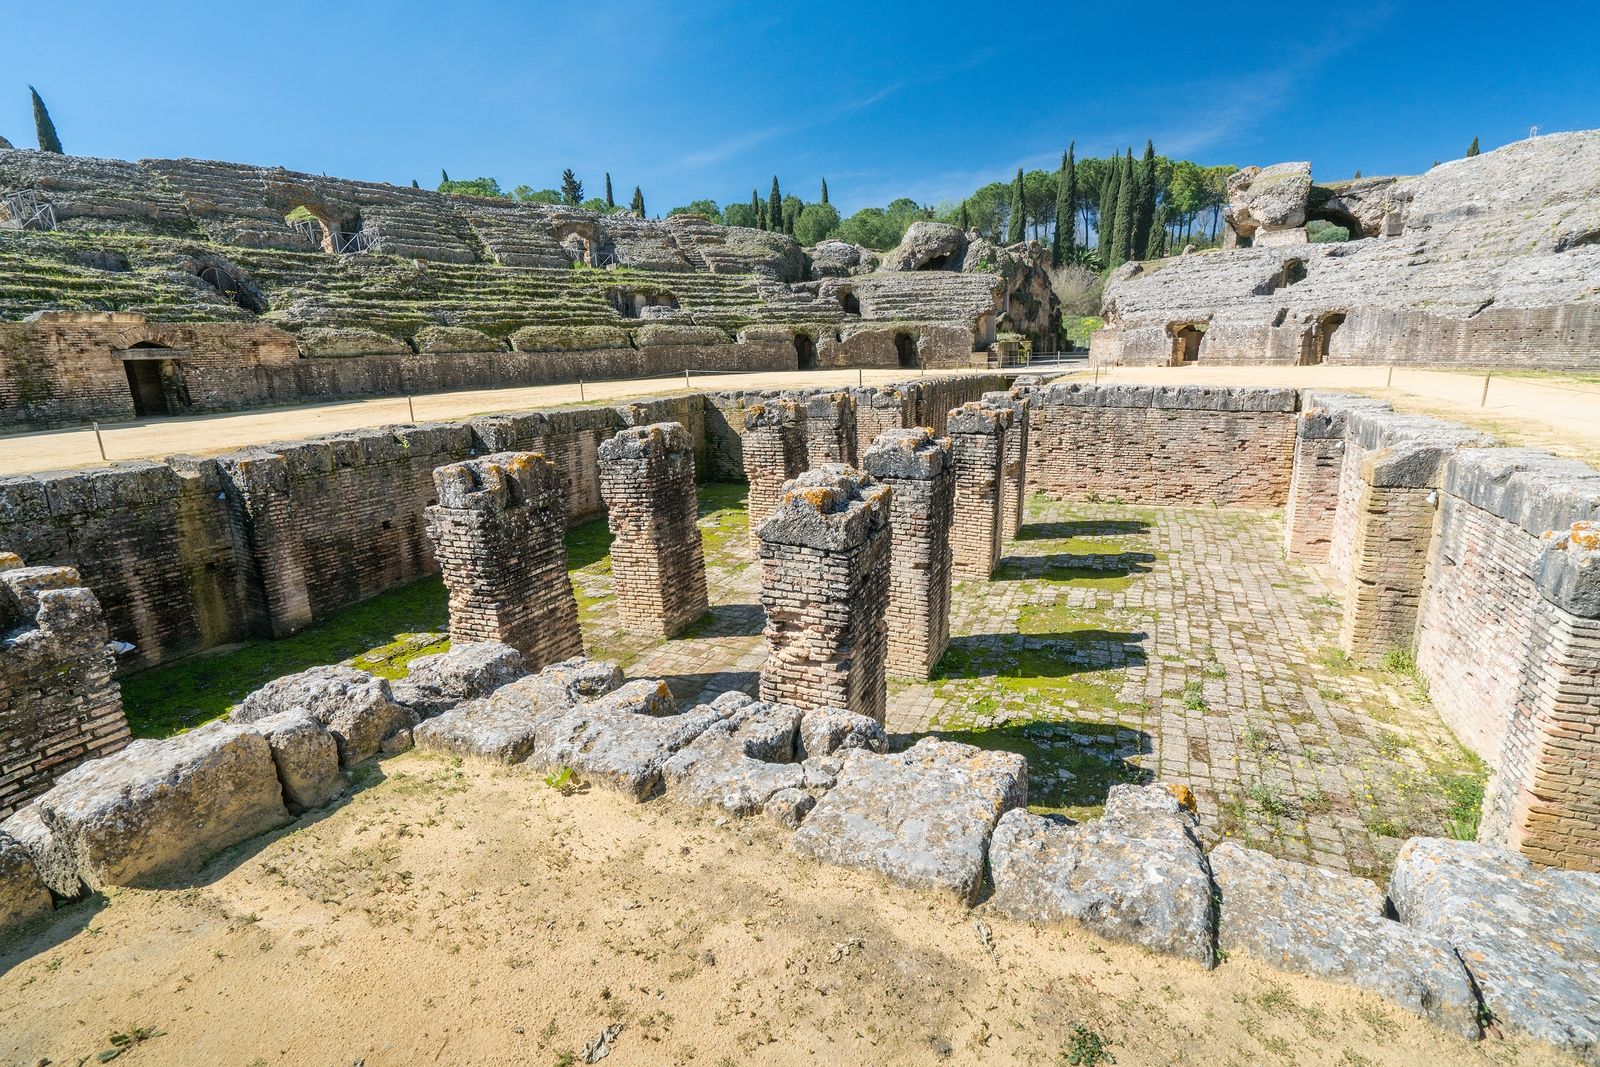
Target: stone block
(306,756)
(356,707)
(471,669)
(23,894)
(50,854)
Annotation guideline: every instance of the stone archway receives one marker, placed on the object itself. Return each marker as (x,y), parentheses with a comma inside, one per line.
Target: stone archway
(905,348)
(805,352)
(1327,326)
(155,381)
(1186,338)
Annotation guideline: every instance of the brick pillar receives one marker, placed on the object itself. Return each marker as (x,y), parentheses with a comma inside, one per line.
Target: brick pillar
(774,444)
(1014,475)
(1314,485)
(977,438)
(498,534)
(879,410)
(830,428)
(647,480)
(919,469)
(59,703)
(1545,798)
(825,590)
(1390,536)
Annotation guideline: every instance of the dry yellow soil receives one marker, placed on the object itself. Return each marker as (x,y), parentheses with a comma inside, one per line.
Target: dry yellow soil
(450,914)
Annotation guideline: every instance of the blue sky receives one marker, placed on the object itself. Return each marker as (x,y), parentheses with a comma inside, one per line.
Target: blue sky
(691,98)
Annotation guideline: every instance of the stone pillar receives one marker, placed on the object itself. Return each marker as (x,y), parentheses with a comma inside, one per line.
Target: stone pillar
(59,702)
(978,442)
(774,445)
(830,428)
(919,469)
(1392,529)
(659,569)
(825,590)
(1314,485)
(498,532)
(1014,475)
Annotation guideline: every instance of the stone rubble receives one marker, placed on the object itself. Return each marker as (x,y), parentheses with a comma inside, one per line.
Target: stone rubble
(439,682)
(357,708)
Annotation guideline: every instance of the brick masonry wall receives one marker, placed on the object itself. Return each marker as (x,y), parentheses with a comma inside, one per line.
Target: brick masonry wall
(647,479)
(499,532)
(774,451)
(1014,475)
(825,590)
(59,704)
(1161,445)
(830,428)
(978,445)
(1387,568)
(920,471)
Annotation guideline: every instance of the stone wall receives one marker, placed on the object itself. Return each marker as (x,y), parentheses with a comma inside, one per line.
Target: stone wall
(774,452)
(1163,445)
(59,704)
(1014,474)
(657,561)
(978,449)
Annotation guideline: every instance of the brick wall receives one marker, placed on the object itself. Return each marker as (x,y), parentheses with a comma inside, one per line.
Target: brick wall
(978,446)
(1014,473)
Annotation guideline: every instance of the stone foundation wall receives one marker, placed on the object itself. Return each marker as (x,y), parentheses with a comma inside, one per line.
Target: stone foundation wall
(1163,445)
(59,704)
(1314,485)
(657,562)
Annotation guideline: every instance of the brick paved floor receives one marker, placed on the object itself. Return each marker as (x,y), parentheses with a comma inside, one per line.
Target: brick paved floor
(1120,643)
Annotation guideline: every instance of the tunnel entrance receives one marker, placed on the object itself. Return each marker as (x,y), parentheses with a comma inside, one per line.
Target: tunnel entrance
(805,352)
(1186,339)
(905,347)
(153,379)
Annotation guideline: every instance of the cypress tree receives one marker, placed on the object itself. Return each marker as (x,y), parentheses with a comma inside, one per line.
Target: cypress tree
(763,217)
(966,218)
(609,202)
(1019,214)
(638,201)
(571,188)
(1156,243)
(1066,209)
(825,187)
(1472,149)
(444,176)
(1108,209)
(755,209)
(414,184)
(43,126)
(1145,205)
(1122,236)
(774,206)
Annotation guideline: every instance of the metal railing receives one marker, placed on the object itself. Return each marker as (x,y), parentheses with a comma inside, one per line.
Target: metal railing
(366,239)
(28,212)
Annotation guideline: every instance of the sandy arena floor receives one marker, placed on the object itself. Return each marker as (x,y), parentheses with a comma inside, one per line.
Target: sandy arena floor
(460,915)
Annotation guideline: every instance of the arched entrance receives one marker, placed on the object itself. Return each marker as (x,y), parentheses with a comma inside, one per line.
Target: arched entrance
(905,347)
(154,380)
(1186,337)
(1326,326)
(312,226)
(805,352)
(848,303)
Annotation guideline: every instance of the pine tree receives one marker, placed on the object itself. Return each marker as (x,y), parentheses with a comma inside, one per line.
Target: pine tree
(824,190)
(774,206)
(1019,213)
(46,129)
(966,218)
(638,202)
(1108,210)
(609,201)
(1472,149)
(1145,204)
(571,188)
(1127,208)
(1066,209)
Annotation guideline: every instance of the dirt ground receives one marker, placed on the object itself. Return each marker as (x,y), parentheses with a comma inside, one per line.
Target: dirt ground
(465,915)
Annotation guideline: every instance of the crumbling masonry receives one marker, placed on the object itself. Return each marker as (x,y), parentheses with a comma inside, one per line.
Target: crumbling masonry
(1014,474)
(59,704)
(774,452)
(647,479)
(978,442)
(825,590)
(498,532)
(919,470)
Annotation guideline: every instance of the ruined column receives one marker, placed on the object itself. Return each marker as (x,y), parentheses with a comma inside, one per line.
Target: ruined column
(825,590)
(830,428)
(918,468)
(59,701)
(881,409)
(498,533)
(1314,484)
(977,438)
(774,444)
(657,563)
(1014,475)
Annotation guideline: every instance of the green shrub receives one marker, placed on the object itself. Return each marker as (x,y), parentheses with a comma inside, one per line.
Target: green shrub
(1323,232)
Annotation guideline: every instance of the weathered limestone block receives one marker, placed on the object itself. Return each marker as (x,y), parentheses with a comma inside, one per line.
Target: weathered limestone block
(1014,473)
(1530,937)
(825,590)
(921,472)
(978,447)
(160,808)
(59,702)
(439,682)
(740,763)
(23,893)
(621,741)
(501,725)
(1319,454)
(584,678)
(499,534)
(647,480)
(826,731)
(1264,200)
(307,758)
(356,707)
(50,854)
(922,817)
(774,446)
(1135,874)
(1312,920)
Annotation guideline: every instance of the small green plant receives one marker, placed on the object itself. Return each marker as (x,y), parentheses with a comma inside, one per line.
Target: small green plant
(563,780)
(1087,1048)
(1256,739)
(1268,800)
(1193,697)
(123,1042)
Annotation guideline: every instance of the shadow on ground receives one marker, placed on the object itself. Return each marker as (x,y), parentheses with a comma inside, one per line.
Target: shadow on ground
(1072,765)
(1047,655)
(1054,531)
